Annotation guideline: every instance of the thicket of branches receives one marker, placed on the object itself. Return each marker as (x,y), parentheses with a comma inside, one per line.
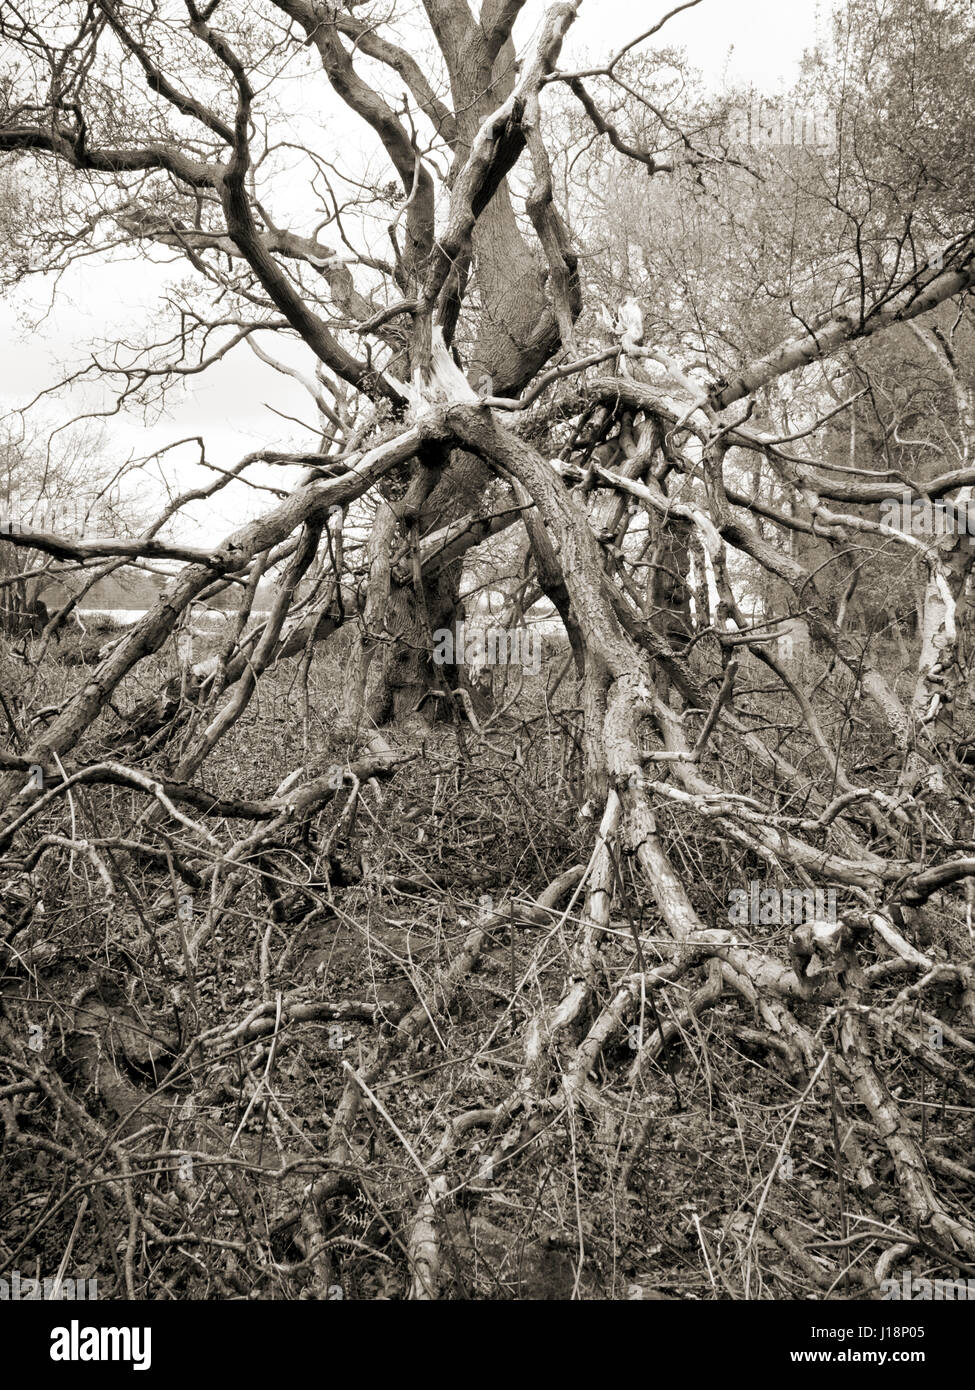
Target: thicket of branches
(332,971)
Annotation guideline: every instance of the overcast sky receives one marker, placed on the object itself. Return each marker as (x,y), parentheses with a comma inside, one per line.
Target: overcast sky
(752,42)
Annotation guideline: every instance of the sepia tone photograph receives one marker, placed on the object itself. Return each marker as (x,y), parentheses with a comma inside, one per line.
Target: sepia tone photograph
(487,622)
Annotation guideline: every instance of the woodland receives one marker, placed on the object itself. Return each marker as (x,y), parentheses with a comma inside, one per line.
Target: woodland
(626,951)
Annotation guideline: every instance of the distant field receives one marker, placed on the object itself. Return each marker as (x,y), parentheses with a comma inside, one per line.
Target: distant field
(208,616)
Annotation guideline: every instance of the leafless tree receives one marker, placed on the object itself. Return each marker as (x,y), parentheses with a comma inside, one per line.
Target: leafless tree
(678,367)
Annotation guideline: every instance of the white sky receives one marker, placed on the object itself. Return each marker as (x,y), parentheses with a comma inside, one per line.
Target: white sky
(751,42)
